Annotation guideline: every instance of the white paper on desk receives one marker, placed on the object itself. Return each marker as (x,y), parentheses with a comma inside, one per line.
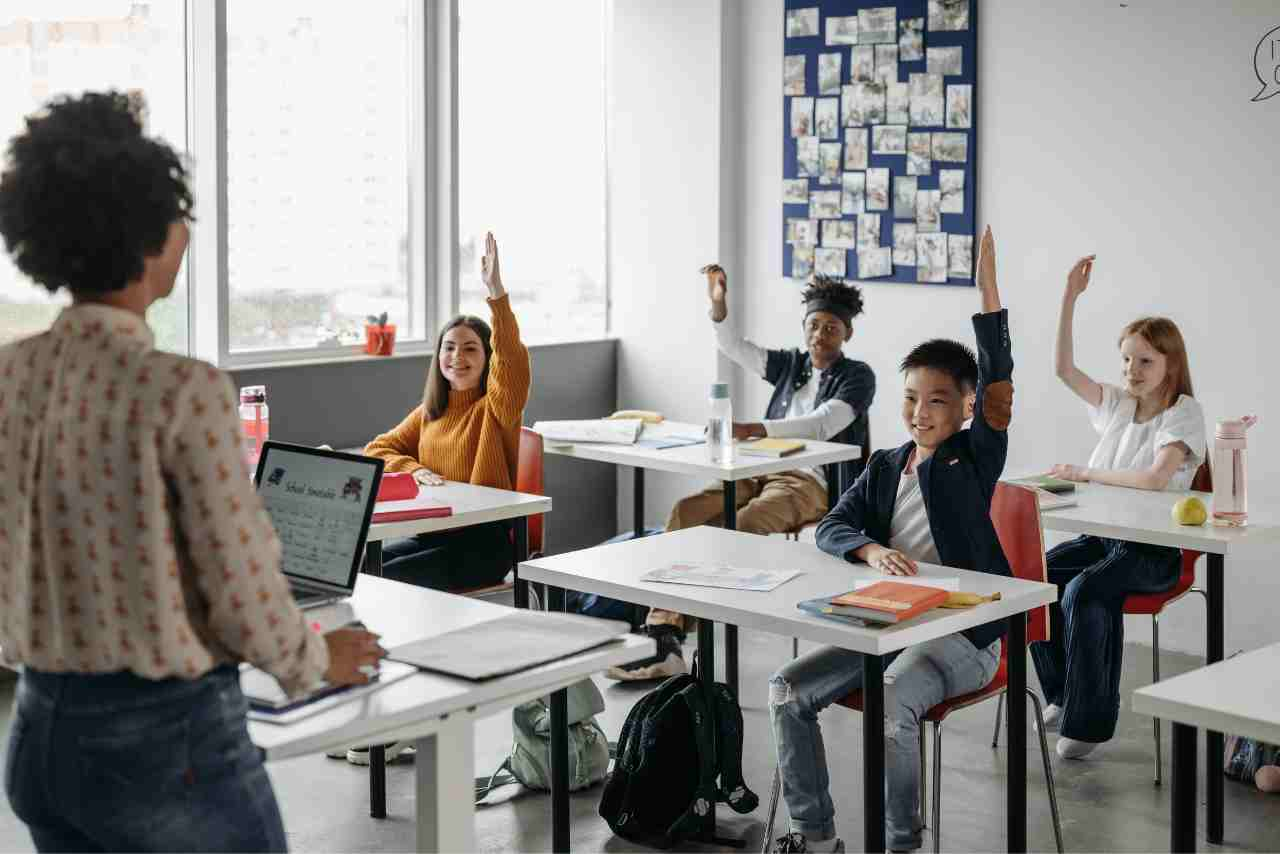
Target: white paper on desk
(942,583)
(623,431)
(720,575)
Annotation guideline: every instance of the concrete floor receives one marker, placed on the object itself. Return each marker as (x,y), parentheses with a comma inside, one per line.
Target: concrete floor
(1108,801)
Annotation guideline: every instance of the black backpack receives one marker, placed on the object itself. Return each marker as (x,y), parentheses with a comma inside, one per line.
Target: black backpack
(677,741)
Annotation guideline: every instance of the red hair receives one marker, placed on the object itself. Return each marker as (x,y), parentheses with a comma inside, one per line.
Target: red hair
(1163,335)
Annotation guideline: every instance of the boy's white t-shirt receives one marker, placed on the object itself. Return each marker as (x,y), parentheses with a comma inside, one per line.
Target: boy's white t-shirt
(1125,444)
(909,530)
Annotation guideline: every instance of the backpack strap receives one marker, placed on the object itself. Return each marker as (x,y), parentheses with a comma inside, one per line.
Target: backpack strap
(500,777)
(629,751)
(694,823)
(728,719)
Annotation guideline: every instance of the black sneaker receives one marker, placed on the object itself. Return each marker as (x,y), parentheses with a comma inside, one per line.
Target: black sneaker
(795,843)
(668,661)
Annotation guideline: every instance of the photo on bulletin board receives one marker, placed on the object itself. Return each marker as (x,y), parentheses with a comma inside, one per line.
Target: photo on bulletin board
(880,140)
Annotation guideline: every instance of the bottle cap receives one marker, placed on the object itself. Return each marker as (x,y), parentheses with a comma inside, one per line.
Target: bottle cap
(1230,428)
(253,394)
(719,391)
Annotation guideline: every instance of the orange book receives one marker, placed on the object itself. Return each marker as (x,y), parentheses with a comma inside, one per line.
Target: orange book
(889,601)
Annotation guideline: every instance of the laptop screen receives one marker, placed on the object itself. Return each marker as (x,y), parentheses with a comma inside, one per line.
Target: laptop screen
(320,503)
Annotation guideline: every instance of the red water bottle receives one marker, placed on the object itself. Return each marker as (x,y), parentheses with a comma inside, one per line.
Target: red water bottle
(254,422)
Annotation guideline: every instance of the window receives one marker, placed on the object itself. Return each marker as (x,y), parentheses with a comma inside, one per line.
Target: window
(57,47)
(531,161)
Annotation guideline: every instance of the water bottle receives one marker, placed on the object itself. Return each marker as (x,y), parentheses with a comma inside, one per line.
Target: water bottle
(720,425)
(254,422)
(1230,493)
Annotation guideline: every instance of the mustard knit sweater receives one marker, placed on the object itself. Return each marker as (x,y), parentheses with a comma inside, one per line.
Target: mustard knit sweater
(477,439)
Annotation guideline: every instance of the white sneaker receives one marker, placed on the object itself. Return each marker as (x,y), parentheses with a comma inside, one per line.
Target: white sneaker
(360,755)
(1052,718)
(1070,748)
(339,753)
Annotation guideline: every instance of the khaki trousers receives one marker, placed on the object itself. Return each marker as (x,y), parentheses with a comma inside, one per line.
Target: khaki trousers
(769,504)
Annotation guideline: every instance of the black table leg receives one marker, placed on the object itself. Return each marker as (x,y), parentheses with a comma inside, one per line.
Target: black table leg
(520,552)
(637,502)
(559,749)
(373,558)
(707,666)
(730,631)
(1182,805)
(1017,752)
(873,753)
(377,781)
(1214,819)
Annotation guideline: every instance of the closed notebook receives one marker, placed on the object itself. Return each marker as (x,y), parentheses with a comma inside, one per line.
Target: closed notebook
(421,507)
(1046,482)
(770,447)
(889,601)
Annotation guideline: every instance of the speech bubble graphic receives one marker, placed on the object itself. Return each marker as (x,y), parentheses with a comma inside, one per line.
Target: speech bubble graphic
(1266,64)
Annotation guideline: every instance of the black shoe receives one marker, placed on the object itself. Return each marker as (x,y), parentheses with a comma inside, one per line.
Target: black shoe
(668,661)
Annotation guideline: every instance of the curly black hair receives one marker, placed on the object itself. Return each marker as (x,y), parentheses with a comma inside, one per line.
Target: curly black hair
(950,357)
(831,289)
(85,196)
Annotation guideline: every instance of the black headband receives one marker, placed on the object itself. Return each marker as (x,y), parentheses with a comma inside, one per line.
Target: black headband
(841,311)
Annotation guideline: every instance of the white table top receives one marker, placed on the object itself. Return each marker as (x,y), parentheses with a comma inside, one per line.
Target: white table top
(1240,696)
(472,505)
(615,570)
(412,706)
(1144,516)
(694,460)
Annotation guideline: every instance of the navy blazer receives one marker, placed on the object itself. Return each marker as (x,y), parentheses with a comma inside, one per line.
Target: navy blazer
(957,482)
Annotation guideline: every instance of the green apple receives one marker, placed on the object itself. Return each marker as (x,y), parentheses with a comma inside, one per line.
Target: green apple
(1190,511)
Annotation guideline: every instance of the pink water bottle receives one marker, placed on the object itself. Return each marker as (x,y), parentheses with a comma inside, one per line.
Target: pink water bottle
(1230,486)
(254,422)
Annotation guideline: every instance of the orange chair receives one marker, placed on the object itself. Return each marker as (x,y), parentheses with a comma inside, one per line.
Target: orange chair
(1015,512)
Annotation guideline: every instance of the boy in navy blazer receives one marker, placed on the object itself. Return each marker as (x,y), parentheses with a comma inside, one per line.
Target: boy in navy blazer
(929,500)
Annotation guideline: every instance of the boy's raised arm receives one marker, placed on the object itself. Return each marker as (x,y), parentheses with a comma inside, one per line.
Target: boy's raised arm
(993,402)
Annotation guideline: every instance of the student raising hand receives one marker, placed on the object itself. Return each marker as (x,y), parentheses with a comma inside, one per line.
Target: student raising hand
(1078,277)
(489,271)
(717,287)
(987,273)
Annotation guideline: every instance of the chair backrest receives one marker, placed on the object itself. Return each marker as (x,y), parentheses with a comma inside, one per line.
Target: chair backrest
(1203,481)
(847,472)
(1015,512)
(529,480)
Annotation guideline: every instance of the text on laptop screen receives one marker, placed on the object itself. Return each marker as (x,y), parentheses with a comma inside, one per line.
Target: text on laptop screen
(317,505)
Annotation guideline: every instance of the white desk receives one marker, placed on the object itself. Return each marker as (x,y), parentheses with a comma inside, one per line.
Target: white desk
(1240,696)
(438,711)
(1143,516)
(694,460)
(615,570)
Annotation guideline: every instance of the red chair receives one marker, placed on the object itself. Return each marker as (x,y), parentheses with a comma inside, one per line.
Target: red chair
(1015,512)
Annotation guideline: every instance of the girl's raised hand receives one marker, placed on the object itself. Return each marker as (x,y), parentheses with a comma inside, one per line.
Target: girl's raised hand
(489,271)
(1078,278)
(717,285)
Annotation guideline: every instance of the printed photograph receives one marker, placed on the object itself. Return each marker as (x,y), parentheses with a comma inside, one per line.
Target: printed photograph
(928,102)
(826,116)
(911,39)
(944,60)
(801,262)
(868,104)
(951,186)
(853,195)
(931,257)
(878,25)
(862,64)
(889,139)
(802,22)
(793,75)
(868,231)
(807,157)
(795,191)
(824,204)
(855,148)
(839,233)
(875,263)
(960,255)
(959,105)
(919,158)
(829,262)
(877,189)
(897,103)
(842,30)
(829,162)
(904,244)
(951,147)
(887,63)
(904,198)
(829,73)
(802,231)
(948,15)
(928,217)
(802,117)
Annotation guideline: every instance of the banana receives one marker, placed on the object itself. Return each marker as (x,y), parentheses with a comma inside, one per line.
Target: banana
(967,600)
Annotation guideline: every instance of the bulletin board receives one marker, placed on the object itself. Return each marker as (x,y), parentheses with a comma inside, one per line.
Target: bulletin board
(879,163)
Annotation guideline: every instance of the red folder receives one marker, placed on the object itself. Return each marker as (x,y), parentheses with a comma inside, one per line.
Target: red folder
(413,508)
(397,486)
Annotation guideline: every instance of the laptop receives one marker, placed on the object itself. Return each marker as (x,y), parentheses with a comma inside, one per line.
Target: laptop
(320,503)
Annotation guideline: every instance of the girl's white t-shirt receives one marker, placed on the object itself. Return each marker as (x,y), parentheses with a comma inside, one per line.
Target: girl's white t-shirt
(1126,444)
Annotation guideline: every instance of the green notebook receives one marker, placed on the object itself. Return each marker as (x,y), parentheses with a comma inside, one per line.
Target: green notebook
(1047,483)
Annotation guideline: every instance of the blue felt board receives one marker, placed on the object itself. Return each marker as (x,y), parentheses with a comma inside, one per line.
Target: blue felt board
(811,47)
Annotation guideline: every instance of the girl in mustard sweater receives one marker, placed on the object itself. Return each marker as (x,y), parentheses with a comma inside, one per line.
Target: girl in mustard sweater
(467,429)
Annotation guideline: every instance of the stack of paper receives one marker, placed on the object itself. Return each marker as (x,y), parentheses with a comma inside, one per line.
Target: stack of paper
(606,431)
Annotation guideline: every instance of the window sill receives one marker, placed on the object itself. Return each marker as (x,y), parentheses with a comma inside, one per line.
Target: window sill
(417,350)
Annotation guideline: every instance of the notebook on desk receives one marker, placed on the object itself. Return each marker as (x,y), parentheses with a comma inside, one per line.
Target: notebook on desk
(268,701)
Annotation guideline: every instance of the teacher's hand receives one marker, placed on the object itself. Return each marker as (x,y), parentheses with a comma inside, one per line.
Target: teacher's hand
(353,654)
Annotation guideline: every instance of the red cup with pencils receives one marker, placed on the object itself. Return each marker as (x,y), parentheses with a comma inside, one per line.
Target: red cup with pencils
(379,336)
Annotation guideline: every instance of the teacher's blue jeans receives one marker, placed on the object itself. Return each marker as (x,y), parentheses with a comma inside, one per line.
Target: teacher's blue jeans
(115,762)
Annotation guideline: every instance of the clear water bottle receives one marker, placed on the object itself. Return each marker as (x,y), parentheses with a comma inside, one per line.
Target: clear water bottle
(1230,487)
(720,425)
(254,422)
